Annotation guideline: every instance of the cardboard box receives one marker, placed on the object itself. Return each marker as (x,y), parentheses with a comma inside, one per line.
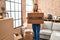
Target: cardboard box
(28,36)
(35,18)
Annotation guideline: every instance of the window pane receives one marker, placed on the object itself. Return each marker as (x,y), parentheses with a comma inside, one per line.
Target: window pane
(20,22)
(16,7)
(29,8)
(16,15)
(20,15)
(16,23)
(13,15)
(8,15)
(12,6)
(7,0)
(7,5)
(16,0)
(19,7)
(12,0)
(29,2)
(19,1)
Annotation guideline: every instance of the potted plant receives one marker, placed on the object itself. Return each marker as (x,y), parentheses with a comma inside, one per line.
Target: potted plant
(3,11)
(1,17)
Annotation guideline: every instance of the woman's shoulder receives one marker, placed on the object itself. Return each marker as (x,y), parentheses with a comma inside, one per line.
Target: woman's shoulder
(40,11)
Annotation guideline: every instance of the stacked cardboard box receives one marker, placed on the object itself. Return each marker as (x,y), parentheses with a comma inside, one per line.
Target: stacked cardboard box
(28,36)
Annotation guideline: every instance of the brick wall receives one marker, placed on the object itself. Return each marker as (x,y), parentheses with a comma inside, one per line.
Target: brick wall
(50,6)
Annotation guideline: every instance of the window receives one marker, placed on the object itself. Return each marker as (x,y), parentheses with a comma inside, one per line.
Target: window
(13,9)
(29,6)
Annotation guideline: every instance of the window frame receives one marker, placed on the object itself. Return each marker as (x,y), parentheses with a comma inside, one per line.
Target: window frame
(27,5)
(19,11)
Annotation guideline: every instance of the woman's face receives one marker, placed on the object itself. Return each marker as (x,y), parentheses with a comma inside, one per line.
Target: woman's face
(35,7)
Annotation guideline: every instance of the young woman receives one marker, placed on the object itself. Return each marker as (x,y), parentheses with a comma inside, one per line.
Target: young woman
(36,27)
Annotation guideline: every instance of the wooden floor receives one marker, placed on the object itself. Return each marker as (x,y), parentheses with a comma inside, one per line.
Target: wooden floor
(29,39)
(27,36)
(40,39)
(43,39)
